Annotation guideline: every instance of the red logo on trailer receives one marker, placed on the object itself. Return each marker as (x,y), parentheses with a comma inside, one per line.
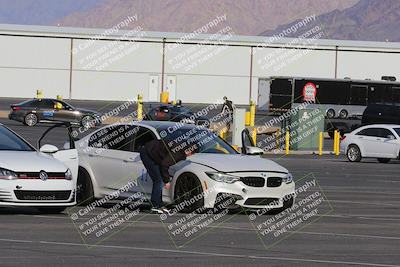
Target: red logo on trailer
(309,92)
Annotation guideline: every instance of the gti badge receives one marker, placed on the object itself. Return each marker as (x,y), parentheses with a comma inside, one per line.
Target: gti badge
(43,176)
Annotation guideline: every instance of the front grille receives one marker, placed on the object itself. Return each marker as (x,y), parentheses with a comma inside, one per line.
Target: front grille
(42,195)
(274,181)
(262,201)
(253,181)
(35,175)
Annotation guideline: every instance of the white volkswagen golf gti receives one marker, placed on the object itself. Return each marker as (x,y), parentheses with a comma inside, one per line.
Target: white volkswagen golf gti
(109,159)
(32,178)
(381,141)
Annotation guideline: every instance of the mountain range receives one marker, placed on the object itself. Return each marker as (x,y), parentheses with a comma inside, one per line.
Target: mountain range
(375,20)
(368,20)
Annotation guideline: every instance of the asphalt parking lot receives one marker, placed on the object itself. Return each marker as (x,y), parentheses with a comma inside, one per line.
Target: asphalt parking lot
(363,228)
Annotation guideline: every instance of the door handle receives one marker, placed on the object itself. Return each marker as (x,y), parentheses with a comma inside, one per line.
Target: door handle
(129,160)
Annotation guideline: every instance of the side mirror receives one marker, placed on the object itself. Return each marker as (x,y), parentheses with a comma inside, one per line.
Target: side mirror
(49,149)
(391,137)
(254,151)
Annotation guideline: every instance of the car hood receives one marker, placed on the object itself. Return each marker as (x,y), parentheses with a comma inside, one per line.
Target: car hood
(25,161)
(236,163)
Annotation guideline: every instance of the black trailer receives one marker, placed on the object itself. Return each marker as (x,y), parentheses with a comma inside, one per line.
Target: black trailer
(339,98)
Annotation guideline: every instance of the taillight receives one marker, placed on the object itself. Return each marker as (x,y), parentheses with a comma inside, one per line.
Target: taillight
(14,108)
(343,137)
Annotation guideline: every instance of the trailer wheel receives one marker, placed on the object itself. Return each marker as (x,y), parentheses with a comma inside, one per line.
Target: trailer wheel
(343,114)
(330,113)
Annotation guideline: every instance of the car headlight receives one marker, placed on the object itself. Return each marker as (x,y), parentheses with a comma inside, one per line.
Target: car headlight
(288,178)
(68,175)
(223,177)
(7,174)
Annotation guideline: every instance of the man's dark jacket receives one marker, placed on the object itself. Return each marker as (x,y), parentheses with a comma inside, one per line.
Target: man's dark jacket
(164,157)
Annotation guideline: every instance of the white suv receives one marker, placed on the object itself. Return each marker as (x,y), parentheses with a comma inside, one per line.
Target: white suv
(381,141)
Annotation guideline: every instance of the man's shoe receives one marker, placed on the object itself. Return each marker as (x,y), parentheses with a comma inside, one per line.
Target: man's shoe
(167,211)
(156,211)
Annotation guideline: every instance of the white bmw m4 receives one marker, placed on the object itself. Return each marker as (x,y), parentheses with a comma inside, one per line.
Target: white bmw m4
(109,159)
(32,178)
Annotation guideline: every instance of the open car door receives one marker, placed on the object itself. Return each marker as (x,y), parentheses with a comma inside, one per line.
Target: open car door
(63,151)
(248,145)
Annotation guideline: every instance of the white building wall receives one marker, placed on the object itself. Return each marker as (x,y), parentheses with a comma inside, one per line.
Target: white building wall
(108,70)
(206,73)
(28,64)
(371,65)
(269,62)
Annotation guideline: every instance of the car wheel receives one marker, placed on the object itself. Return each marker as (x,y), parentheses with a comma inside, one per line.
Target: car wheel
(330,113)
(51,210)
(354,154)
(343,114)
(84,190)
(87,122)
(381,160)
(31,119)
(189,193)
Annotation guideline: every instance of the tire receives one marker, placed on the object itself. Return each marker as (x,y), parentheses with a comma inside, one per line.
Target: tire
(84,190)
(330,113)
(86,122)
(187,187)
(354,153)
(382,160)
(343,114)
(31,119)
(51,210)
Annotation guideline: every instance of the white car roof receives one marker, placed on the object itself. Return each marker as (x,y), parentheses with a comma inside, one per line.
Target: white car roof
(382,125)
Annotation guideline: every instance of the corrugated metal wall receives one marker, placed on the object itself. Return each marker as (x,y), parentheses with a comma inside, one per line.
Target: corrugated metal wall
(109,70)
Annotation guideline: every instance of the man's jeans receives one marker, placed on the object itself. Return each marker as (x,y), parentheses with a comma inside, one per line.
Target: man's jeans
(154,171)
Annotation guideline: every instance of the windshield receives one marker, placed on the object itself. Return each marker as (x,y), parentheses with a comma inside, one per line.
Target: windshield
(10,141)
(204,139)
(397,131)
(179,109)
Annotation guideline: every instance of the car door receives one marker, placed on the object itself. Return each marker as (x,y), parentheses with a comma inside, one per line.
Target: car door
(67,154)
(62,112)
(45,109)
(369,141)
(388,143)
(111,158)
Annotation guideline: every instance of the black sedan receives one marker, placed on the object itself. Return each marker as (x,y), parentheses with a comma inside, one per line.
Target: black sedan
(176,113)
(33,111)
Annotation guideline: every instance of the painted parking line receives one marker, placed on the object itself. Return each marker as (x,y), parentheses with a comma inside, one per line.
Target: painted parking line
(298,232)
(199,253)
